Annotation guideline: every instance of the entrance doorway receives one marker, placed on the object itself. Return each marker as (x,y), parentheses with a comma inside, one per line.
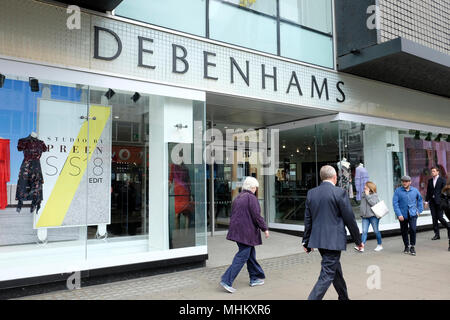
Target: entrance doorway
(225,177)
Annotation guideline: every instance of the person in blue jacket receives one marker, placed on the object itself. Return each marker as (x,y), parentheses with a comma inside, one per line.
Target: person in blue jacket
(408,204)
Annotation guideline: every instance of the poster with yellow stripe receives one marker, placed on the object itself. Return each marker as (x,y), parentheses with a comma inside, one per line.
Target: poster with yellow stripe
(77,166)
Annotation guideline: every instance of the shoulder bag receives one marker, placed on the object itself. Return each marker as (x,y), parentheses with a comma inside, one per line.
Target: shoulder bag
(380,209)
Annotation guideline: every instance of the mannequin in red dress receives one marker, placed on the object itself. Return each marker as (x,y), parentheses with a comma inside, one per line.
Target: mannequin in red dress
(179,176)
(5,171)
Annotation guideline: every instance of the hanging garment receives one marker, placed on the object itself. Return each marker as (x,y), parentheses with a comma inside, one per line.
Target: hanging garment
(361,177)
(5,172)
(29,185)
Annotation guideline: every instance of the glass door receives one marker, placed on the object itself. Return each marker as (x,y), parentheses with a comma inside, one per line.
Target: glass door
(304,147)
(225,177)
(117,174)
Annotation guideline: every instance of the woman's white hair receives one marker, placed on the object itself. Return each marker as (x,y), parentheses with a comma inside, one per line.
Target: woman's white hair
(249,183)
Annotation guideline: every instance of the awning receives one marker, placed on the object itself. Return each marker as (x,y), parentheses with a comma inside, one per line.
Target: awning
(401,62)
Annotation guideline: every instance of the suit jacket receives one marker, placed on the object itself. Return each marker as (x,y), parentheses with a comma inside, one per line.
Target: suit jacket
(328,211)
(434,193)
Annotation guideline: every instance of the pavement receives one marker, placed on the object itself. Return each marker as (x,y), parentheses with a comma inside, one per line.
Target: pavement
(291,273)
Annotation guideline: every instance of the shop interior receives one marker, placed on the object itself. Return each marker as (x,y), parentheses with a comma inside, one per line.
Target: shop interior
(228,113)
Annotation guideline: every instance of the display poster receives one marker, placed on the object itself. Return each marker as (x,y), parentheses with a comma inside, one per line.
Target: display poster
(77,165)
(421,156)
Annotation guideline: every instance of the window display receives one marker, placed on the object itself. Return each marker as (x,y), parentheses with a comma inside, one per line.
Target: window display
(81,193)
(421,156)
(359,152)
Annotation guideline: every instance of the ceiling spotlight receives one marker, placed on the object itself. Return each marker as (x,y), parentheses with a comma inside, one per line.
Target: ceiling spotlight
(298,150)
(109,94)
(2,80)
(417,135)
(428,138)
(438,138)
(136,96)
(34,84)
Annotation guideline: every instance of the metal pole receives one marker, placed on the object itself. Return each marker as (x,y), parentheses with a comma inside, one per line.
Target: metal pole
(211,192)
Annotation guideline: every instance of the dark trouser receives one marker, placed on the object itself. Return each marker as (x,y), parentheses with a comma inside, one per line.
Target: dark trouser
(409,226)
(437,215)
(246,254)
(331,273)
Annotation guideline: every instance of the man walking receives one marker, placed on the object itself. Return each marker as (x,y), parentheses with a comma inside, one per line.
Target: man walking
(433,199)
(408,204)
(328,211)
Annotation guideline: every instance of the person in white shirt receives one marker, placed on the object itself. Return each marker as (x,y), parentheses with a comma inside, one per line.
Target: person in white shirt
(433,200)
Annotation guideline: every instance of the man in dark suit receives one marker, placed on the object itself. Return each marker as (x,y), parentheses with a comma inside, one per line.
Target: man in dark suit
(328,211)
(433,199)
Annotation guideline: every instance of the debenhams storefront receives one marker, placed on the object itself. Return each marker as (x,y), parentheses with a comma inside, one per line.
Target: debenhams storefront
(94,122)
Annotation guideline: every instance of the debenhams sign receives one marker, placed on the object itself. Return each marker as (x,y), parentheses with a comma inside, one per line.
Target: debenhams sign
(319,88)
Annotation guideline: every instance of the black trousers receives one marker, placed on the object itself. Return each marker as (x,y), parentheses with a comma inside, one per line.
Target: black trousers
(331,273)
(409,226)
(438,216)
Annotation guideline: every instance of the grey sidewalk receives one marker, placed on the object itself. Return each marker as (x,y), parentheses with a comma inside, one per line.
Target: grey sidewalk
(291,274)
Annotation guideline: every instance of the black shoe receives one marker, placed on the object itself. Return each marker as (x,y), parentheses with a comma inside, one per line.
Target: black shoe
(406,251)
(436,237)
(412,251)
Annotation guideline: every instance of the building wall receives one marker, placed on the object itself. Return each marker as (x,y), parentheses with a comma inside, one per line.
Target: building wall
(35,31)
(423,21)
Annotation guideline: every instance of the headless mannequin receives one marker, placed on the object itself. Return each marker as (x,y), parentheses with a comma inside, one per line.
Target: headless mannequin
(344,163)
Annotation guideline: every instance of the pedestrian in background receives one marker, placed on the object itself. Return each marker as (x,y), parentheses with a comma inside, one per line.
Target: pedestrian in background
(433,200)
(328,211)
(368,199)
(445,206)
(246,224)
(408,204)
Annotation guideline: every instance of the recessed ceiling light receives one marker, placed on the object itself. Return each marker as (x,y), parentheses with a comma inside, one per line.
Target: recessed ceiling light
(116,117)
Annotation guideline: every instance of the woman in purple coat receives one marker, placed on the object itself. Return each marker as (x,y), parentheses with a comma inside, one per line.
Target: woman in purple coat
(245,225)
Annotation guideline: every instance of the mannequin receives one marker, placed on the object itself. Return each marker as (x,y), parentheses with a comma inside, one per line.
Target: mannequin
(343,163)
(29,185)
(361,177)
(345,176)
(179,177)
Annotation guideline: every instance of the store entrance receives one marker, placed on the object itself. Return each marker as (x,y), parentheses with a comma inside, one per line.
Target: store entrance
(233,121)
(225,177)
